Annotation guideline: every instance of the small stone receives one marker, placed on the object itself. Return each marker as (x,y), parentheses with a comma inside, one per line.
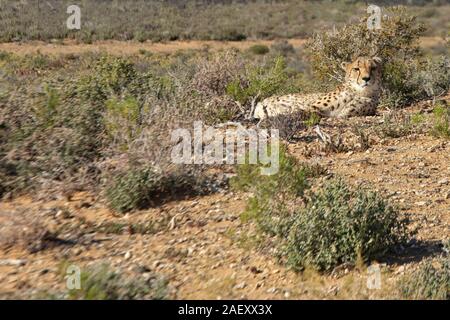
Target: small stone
(241,285)
(13,262)
(421,203)
(127,255)
(272,290)
(76,251)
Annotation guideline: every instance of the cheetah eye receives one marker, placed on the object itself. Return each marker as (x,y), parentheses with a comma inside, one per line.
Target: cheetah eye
(356,69)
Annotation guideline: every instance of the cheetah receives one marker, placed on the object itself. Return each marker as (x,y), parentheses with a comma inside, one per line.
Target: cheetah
(357,96)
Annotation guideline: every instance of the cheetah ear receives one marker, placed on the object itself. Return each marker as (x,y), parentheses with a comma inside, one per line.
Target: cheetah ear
(344,65)
(378,60)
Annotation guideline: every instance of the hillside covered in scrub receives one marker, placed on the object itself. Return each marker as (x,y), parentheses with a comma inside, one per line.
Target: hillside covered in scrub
(87,179)
(157,20)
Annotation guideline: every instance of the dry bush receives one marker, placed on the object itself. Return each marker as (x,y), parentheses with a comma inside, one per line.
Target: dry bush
(397,39)
(288,125)
(216,73)
(396,43)
(430,281)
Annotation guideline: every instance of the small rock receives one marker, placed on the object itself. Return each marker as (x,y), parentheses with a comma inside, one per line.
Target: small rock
(272,290)
(421,203)
(127,255)
(13,262)
(76,251)
(241,285)
(58,214)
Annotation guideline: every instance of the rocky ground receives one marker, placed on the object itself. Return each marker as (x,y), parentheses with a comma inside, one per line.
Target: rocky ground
(204,249)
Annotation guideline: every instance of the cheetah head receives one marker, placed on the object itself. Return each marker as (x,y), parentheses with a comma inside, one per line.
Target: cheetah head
(363,73)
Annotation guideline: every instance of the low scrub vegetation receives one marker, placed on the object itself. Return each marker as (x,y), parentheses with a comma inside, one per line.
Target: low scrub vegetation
(430,281)
(441,121)
(207,20)
(102,123)
(340,225)
(320,229)
(145,187)
(100,282)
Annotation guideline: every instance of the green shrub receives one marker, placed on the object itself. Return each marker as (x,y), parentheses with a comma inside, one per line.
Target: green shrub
(430,281)
(46,111)
(123,119)
(261,82)
(134,190)
(396,124)
(111,76)
(101,283)
(141,188)
(441,121)
(259,49)
(270,191)
(318,229)
(313,120)
(340,225)
(290,176)
(229,34)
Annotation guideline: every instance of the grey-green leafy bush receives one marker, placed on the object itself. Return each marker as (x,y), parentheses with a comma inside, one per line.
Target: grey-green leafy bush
(340,225)
(100,282)
(416,80)
(135,189)
(319,229)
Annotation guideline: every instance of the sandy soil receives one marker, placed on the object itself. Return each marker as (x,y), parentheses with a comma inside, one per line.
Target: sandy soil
(131,47)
